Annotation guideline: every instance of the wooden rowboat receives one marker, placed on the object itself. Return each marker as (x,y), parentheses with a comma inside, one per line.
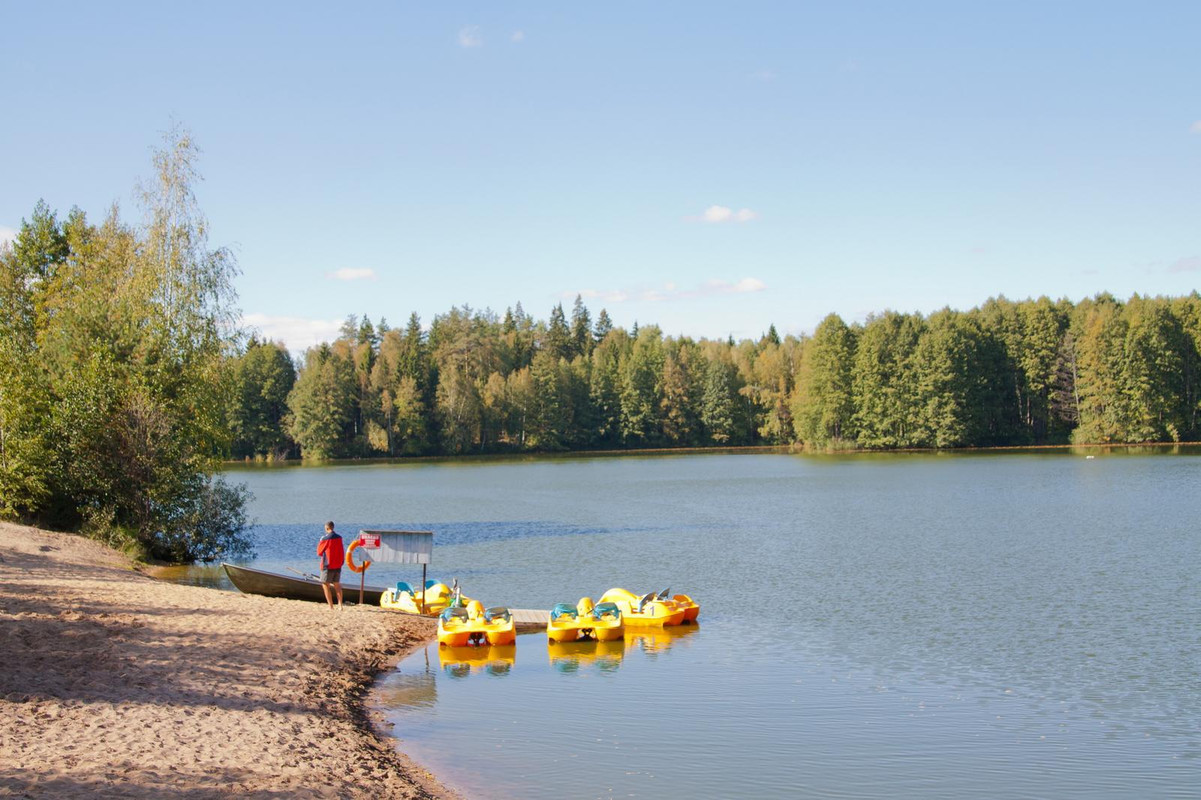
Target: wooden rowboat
(272,584)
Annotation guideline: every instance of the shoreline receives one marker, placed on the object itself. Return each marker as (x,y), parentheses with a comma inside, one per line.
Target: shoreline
(783,449)
(116,684)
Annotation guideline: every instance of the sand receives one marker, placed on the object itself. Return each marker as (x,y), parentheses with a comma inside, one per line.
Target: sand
(114,684)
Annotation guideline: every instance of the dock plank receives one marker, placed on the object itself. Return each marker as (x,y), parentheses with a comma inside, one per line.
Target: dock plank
(530,619)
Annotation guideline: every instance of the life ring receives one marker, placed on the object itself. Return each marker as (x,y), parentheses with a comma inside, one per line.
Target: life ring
(350,558)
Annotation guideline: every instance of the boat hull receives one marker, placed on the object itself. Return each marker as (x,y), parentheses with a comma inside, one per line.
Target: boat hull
(272,584)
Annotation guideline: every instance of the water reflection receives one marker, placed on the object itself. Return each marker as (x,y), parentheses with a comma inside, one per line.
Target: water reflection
(207,575)
(460,662)
(653,641)
(414,690)
(567,657)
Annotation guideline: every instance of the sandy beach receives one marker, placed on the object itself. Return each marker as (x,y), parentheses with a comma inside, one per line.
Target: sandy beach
(114,684)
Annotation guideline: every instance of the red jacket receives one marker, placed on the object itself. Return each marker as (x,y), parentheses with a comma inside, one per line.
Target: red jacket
(331,552)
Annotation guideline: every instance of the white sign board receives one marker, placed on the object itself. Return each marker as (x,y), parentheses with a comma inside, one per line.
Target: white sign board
(402,547)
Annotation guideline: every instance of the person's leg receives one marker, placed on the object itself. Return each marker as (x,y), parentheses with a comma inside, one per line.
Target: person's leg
(329,598)
(338,586)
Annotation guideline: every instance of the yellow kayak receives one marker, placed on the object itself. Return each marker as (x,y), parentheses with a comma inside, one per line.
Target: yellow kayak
(475,625)
(585,621)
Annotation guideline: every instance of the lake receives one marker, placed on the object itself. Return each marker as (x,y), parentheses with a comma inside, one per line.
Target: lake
(1022,624)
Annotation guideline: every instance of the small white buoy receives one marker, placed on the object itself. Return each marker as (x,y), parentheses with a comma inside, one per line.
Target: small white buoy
(1089,458)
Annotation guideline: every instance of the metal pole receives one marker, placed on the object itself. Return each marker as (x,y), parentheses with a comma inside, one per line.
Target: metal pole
(362,580)
(423,566)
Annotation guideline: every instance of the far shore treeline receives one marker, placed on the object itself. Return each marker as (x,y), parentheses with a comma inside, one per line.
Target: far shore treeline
(124,381)
(1007,373)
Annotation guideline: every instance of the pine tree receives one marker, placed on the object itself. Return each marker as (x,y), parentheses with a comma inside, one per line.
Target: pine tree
(581,332)
(558,341)
(603,326)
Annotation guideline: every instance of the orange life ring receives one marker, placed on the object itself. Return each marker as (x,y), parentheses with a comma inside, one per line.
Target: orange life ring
(350,560)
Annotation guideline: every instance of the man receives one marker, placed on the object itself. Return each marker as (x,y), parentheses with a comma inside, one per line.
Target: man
(332,555)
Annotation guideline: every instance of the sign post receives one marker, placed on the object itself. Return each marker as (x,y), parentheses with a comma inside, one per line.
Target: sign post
(367,541)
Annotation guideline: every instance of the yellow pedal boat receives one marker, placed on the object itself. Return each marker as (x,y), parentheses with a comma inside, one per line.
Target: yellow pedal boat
(437,596)
(692,609)
(585,621)
(647,611)
(475,625)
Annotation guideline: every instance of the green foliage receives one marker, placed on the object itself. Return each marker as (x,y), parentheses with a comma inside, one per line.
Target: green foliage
(114,398)
(581,329)
(883,381)
(206,523)
(262,378)
(26,456)
(604,386)
(603,326)
(641,389)
(322,403)
(823,404)
(558,341)
(549,408)
(949,406)
(719,403)
(680,406)
(1032,372)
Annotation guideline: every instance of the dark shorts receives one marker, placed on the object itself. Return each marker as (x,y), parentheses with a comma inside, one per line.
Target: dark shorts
(331,575)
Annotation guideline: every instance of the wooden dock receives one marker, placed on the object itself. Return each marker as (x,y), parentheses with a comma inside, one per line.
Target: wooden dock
(528,620)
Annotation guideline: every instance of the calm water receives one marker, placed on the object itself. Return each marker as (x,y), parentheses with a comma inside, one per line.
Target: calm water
(923,626)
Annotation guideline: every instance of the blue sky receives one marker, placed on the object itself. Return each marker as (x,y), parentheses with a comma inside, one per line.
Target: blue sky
(710,167)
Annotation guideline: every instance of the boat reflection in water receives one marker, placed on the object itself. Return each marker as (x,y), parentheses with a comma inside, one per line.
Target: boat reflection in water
(459,662)
(653,641)
(567,657)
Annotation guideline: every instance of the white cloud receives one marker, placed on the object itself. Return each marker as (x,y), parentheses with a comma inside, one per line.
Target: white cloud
(518,36)
(717,214)
(617,296)
(1195,127)
(297,333)
(748,285)
(471,36)
(7,235)
(350,274)
(765,75)
(672,291)
(1190,264)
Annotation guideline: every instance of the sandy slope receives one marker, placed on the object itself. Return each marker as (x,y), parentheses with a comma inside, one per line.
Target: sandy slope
(113,684)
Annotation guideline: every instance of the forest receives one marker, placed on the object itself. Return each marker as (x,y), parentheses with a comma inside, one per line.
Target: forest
(1034,372)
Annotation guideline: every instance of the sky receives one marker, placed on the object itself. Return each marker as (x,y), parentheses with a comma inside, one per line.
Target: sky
(710,167)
